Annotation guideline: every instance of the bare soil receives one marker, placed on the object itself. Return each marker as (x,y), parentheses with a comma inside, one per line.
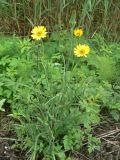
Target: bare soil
(109,134)
(7,139)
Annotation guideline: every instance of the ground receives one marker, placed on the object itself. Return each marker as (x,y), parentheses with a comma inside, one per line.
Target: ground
(7,137)
(108,131)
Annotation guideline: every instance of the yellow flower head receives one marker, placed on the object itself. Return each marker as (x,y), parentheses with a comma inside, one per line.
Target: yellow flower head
(81,50)
(78,32)
(39,32)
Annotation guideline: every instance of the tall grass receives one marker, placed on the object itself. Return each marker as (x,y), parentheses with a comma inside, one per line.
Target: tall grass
(94,15)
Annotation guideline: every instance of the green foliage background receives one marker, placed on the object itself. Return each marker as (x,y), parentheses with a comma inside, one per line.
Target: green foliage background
(103,16)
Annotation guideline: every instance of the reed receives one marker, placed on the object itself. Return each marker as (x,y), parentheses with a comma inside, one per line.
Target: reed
(18,16)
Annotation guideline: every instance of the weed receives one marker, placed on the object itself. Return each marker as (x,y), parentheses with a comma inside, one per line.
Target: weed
(56,97)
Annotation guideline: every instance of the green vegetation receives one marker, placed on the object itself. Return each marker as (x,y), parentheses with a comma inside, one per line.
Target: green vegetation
(55,97)
(19,16)
(59,77)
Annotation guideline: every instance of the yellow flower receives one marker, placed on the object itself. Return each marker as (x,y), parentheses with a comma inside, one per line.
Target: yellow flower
(38,32)
(81,50)
(78,32)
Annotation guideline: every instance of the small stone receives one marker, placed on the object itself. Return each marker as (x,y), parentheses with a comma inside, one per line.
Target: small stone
(6,147)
